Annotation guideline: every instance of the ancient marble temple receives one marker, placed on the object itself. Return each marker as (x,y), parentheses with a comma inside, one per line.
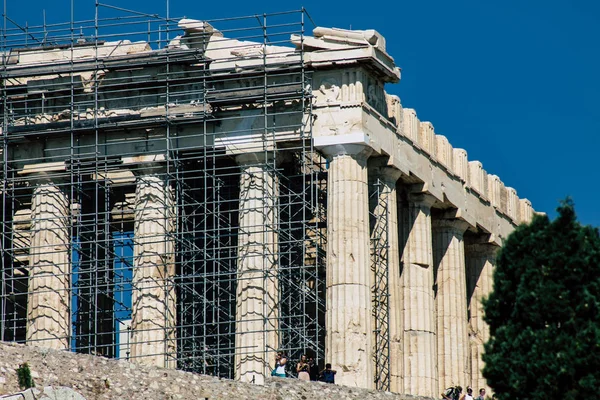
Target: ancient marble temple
(410,225)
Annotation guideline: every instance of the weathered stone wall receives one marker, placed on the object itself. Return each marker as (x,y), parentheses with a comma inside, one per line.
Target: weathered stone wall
(103,378)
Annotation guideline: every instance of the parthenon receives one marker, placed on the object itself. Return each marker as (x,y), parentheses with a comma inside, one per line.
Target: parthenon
(203,194)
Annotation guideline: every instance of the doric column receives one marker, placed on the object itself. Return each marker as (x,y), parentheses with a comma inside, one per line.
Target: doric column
(386,215)
(257,310)
(153,291)
(348,314)
(420,354)
(451,302)
(481,260)
(48,319)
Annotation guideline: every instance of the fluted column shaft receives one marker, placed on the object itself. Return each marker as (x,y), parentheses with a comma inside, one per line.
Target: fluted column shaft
(481,260)
(420,354)
(451,302)
(388,197)
(153,295)
(48,320)
(348,284)
(257,310)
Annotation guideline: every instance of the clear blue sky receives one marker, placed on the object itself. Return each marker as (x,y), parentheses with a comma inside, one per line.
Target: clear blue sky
(514,82)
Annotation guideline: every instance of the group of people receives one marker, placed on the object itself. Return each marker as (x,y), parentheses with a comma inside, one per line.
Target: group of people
(455,393)
(306,369)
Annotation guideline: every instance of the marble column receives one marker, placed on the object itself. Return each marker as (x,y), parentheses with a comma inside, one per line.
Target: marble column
(348,343)
(48,305)
(257,309)
(480,260)
(451,302)
(388,197)
(420,353)
(153,316)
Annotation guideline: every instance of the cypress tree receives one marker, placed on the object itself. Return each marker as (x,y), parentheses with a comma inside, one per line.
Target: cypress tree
(544,312)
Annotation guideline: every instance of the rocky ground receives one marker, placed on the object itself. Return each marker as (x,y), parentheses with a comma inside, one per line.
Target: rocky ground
(102,378)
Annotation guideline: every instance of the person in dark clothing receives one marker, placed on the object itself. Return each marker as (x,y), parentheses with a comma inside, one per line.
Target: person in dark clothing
(328,374)
(313,369)
(452,393)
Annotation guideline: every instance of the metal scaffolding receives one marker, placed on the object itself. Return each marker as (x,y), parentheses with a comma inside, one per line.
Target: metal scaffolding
(81,108)
(381,298)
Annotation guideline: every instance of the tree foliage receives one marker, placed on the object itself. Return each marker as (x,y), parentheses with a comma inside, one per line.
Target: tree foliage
(544,312)
(24,376)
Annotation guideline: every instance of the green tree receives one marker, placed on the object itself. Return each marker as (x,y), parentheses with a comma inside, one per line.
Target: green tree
(544,312)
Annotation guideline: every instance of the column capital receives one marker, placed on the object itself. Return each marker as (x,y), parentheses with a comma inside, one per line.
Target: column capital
(389,175)
(450,224)
(484,249)
(257,157)
(52,172)
(357,151)
(422,199)
(148,164)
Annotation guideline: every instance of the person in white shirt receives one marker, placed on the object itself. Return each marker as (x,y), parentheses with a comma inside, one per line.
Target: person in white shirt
(468,395)
(280,361)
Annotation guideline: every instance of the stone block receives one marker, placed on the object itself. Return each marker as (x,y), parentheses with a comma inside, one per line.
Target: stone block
(477,177)
(411,124)
(444,152)
(512,204)
(461,164)
(494,190)
(395,113)
(526,211)
(503,199)
(427,138)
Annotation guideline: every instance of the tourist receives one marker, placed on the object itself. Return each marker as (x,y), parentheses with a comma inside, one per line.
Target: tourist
(452,393)
(280,361)
(327,375)
(468,395)
(481,394)
(313,369)
(302,368)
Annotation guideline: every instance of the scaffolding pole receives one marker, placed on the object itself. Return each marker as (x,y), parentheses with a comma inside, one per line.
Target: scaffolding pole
(381,291)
